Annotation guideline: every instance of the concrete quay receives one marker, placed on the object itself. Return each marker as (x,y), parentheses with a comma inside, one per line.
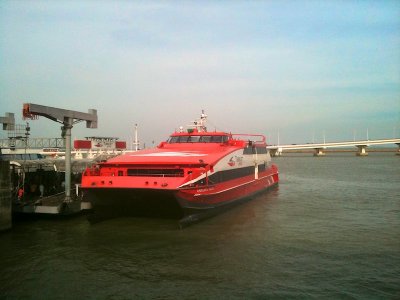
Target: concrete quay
(52,205)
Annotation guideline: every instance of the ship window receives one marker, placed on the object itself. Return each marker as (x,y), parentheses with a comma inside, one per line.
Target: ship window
(173,139)
(249,150)
(205,139)
(194,139)
(156,172)
(227,175)
(198,139)
(183,139)
(254,150)
(261,150)
(216,139)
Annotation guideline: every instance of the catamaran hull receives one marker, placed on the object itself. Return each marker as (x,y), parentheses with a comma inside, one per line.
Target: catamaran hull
(189,204)
(131,202)
(207,206)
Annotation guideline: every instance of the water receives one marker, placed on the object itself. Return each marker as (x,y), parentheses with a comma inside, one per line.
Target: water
(331,230)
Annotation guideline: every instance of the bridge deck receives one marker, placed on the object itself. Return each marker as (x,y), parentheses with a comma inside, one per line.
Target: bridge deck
(335,144)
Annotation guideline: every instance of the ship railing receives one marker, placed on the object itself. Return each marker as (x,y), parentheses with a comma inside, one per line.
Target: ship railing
(256,139)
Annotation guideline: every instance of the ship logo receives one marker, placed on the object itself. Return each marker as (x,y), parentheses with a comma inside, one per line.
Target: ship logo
(231,162)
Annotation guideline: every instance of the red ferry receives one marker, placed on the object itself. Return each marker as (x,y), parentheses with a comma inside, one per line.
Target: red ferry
(193,174)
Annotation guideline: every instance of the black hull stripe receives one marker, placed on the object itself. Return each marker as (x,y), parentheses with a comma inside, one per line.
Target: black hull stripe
(222,176)
(237,186)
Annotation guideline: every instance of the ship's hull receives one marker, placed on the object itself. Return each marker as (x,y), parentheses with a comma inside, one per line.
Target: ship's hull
(208,205)
(133,202)
(188,204)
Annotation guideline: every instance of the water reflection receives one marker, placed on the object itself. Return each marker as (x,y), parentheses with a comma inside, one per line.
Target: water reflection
(330,230)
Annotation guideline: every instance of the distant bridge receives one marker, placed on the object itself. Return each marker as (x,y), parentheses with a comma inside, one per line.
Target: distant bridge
(319,149)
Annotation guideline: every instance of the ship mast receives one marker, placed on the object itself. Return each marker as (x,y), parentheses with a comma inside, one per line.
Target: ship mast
(136,142)
(200,124)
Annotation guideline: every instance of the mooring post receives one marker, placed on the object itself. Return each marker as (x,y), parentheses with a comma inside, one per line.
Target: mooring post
(398,150)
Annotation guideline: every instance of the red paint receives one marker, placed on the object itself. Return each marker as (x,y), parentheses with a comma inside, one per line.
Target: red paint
(187,169)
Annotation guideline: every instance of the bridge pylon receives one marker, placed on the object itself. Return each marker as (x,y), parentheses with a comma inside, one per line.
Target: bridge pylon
(362,150)
(319,152)
(275,152)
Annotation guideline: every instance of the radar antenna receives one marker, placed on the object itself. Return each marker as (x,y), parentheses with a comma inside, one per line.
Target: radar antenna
(199,125)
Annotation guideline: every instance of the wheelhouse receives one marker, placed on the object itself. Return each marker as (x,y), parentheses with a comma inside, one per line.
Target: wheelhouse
(198,138)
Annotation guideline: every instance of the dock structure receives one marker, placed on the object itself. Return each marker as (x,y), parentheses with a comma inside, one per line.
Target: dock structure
(5,197)
(48,144)
(60,203)
(68,118)
(31,174)
(319,149)
(42,182)
(8,122)
(44,173)
(52,205)
(37,172)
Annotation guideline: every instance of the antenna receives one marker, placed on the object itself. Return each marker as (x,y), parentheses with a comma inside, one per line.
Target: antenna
(199,124)
(136,143)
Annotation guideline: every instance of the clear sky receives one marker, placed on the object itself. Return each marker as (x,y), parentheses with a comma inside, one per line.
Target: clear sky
(300,68)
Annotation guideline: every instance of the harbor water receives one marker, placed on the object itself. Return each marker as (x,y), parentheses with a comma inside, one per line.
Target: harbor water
(330,230)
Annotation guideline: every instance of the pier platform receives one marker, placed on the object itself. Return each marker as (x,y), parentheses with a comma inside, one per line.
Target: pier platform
(52,205)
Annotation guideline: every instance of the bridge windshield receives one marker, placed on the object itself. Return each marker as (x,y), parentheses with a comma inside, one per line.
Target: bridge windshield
(198,139)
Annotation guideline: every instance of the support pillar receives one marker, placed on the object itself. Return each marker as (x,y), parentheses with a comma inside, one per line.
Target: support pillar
(319,152)
(362,150)
(67,128)
(275,152)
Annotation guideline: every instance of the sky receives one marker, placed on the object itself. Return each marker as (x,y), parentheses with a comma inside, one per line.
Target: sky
(300,70)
